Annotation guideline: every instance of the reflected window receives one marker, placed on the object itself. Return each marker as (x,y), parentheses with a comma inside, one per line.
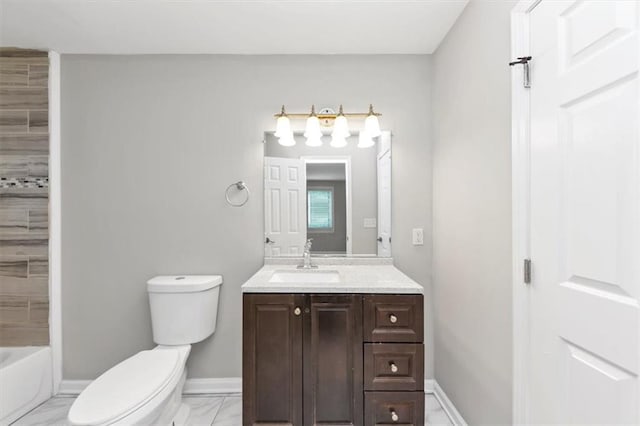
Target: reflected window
(320,209)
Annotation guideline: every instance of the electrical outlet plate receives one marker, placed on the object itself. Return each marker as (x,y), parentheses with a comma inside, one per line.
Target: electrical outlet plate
(370,222)
(418,237)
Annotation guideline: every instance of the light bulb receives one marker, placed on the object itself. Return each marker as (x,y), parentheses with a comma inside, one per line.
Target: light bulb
(365,140)
(314,140)
(341,127)
(338,141)
(287,139)
(283,126)
(371,124)
(313,125)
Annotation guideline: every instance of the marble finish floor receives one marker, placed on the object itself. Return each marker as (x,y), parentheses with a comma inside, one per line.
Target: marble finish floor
(218,410)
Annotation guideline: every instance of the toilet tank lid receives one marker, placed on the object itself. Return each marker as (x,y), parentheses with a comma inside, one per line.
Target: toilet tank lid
(183,283)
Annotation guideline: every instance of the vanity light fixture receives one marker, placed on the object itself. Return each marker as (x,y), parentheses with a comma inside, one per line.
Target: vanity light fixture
(283,129)
(312,130)
(341,125)
(365,140)
(371,123)
(327,117)
(340,131)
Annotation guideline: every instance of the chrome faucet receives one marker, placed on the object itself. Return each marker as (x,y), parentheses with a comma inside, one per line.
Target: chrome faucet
(306,256)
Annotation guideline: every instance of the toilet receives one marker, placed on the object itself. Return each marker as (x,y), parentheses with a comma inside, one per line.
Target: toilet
(146,389)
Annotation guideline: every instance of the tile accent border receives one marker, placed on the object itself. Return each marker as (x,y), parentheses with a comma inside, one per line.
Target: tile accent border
(23,182)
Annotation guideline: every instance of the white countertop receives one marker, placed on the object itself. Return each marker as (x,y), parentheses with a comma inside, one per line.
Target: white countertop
(353,279)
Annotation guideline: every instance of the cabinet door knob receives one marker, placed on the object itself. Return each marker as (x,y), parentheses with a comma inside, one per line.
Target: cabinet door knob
(393,319)
(297,311)
(394,367)
(394,415)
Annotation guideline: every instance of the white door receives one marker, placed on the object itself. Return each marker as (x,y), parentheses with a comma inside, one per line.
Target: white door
(384,203)
(285,217)
(585,213)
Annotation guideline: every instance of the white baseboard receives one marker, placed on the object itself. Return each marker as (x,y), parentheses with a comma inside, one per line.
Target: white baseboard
(429,385)
(225,385)
(228,385)
(72,387)
(446,404)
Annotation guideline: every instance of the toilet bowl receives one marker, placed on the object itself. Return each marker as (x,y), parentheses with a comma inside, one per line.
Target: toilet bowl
(146,389)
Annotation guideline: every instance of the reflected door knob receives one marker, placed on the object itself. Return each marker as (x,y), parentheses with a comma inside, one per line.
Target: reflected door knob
(394,368)
(379,239)
(394,415)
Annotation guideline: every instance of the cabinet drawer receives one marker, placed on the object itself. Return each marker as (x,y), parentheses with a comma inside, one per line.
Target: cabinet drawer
(391,318)
(393,366)
(394,408)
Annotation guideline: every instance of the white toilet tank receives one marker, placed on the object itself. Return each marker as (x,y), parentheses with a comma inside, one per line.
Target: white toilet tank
(183,307)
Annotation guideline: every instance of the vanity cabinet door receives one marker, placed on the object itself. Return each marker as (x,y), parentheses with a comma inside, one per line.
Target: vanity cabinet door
(272,359)
(333,378)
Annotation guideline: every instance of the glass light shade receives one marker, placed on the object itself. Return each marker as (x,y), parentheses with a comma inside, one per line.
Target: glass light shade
(341,127)
(287,139)
(283,127)
(338,141)
(365,140)
(313,127)
(372,126)
(314,140)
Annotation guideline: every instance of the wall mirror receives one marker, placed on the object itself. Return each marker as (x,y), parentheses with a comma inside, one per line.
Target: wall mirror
(338,197)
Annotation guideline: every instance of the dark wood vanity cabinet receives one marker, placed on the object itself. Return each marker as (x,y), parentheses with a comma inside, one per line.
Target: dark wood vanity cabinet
(272,359)
(323,359)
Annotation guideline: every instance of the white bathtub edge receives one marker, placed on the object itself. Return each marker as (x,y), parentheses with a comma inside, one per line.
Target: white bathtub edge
(14,377)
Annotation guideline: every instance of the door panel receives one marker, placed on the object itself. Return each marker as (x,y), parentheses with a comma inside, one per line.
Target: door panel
(285,206)
(384,202)
(333,360)
(272,359)
(585,213)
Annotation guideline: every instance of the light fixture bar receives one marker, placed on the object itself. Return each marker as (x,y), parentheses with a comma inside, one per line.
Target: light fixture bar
(329,116)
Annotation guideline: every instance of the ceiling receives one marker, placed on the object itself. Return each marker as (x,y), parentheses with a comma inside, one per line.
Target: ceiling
(228,27)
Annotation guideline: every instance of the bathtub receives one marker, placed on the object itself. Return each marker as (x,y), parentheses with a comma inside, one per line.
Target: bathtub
(25,380)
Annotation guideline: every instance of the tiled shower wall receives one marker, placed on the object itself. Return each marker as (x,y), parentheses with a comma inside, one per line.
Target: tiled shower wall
(24,197)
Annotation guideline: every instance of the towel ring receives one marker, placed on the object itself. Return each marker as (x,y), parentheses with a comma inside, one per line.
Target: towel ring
(240,186)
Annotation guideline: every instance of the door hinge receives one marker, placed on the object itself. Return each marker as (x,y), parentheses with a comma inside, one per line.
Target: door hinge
(526,77)
(527,271)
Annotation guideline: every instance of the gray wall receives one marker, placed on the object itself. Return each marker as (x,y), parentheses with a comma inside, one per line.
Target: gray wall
(335,241)
(472,214)
(364,164)
(149,143)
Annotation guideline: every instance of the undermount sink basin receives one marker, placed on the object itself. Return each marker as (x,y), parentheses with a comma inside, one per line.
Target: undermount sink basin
(305,276)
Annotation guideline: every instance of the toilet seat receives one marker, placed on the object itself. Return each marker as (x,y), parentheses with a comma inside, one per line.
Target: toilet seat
(128,386)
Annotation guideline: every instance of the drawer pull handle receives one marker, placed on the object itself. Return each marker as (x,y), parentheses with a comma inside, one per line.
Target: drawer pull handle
(297,311)
(394,415)
(394,367)
(393,319)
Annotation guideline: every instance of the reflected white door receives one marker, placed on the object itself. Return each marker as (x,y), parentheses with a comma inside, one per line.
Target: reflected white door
(384,202)
(285,217)
(585,213)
